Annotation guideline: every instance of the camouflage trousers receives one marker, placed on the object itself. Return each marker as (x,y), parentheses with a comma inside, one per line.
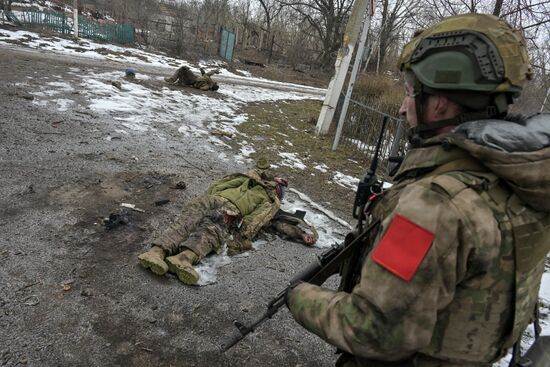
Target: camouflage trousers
(200,228)
(183,76)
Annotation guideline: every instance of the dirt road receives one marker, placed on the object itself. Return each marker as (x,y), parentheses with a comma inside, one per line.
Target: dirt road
(71,292)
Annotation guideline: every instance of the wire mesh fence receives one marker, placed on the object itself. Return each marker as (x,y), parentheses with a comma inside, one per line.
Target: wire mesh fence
(362,128)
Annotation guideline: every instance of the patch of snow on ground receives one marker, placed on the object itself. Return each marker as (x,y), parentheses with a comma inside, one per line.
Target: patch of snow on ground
(246,93)
(244,72)
(246,151)
(321,167)
(345,180)
(63,104)
(320,208)
(208,267)
(291,160)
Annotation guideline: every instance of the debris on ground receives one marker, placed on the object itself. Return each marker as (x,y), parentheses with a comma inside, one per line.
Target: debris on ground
(162,202)
(250,62)
(132,206)
(115,219)
(180,185)
(86,292)
(117,84)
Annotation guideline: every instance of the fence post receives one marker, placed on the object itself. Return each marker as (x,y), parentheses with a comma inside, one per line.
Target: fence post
(75,18)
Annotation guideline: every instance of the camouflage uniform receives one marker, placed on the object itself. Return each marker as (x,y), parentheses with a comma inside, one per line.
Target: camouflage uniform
(250,197)
(450,275)
(205,81)
(185,77)
(472,294)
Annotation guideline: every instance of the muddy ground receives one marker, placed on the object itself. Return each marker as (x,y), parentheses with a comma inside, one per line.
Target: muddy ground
(72,292)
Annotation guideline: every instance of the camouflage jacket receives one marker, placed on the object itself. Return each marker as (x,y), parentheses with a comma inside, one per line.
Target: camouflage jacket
(253,193)
(204,82)
(482,194)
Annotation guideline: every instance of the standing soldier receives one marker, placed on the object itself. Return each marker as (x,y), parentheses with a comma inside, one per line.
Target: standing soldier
(452,272)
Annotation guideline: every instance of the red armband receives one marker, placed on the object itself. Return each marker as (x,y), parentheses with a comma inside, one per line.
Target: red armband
(403,247)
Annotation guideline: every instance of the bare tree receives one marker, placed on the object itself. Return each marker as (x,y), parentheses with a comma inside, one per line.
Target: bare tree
(271,9)
(498,7)
(327,18)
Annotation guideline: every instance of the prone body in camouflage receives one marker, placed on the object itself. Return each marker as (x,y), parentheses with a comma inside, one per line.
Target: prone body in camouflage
(475,290)
(186,78)
(250,197)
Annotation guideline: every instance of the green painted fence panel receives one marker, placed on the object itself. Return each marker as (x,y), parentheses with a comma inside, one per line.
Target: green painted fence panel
(227,44)
(120,33)
(59,22)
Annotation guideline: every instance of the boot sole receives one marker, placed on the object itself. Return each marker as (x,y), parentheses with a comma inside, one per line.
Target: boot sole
(155,268)
(184,276)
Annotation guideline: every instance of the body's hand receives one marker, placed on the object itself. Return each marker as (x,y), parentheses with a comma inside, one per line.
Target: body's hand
(308,239)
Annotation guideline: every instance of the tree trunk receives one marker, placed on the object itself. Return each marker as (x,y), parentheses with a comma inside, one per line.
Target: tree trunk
(271,49)
(497,8)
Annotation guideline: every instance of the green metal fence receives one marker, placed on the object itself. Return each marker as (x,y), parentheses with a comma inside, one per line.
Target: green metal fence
(120,33)
(59,22)
(53,21)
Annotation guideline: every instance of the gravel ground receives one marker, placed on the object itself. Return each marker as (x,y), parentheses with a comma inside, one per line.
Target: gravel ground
(71,292)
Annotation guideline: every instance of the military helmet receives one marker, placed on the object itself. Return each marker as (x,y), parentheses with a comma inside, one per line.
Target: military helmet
(262,163)
(472,52)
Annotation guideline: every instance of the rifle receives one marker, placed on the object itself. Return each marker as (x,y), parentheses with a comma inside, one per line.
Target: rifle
(325,265)
(329,262)
(538,355)
(369,185)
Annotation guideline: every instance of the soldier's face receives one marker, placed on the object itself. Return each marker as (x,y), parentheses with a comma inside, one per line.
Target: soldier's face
(431,107)
(408,107)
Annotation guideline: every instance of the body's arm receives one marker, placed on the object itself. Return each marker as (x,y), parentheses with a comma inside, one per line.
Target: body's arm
(294,232)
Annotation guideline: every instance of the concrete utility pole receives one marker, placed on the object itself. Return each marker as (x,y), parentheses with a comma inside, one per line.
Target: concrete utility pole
(341,65)
(75,18)
(351,83)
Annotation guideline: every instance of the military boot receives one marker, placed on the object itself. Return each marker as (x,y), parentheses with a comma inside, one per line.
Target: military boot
(154,260)
(170,80)
(182,265)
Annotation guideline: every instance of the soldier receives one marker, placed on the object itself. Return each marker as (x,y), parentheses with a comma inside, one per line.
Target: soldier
(450,275)
(233,211)
(185,77)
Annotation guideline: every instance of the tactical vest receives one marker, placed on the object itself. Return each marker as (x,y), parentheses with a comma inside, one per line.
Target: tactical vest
(500,309)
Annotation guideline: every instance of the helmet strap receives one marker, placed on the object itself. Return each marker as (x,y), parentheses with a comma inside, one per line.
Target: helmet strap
(419,97)
(424,131)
